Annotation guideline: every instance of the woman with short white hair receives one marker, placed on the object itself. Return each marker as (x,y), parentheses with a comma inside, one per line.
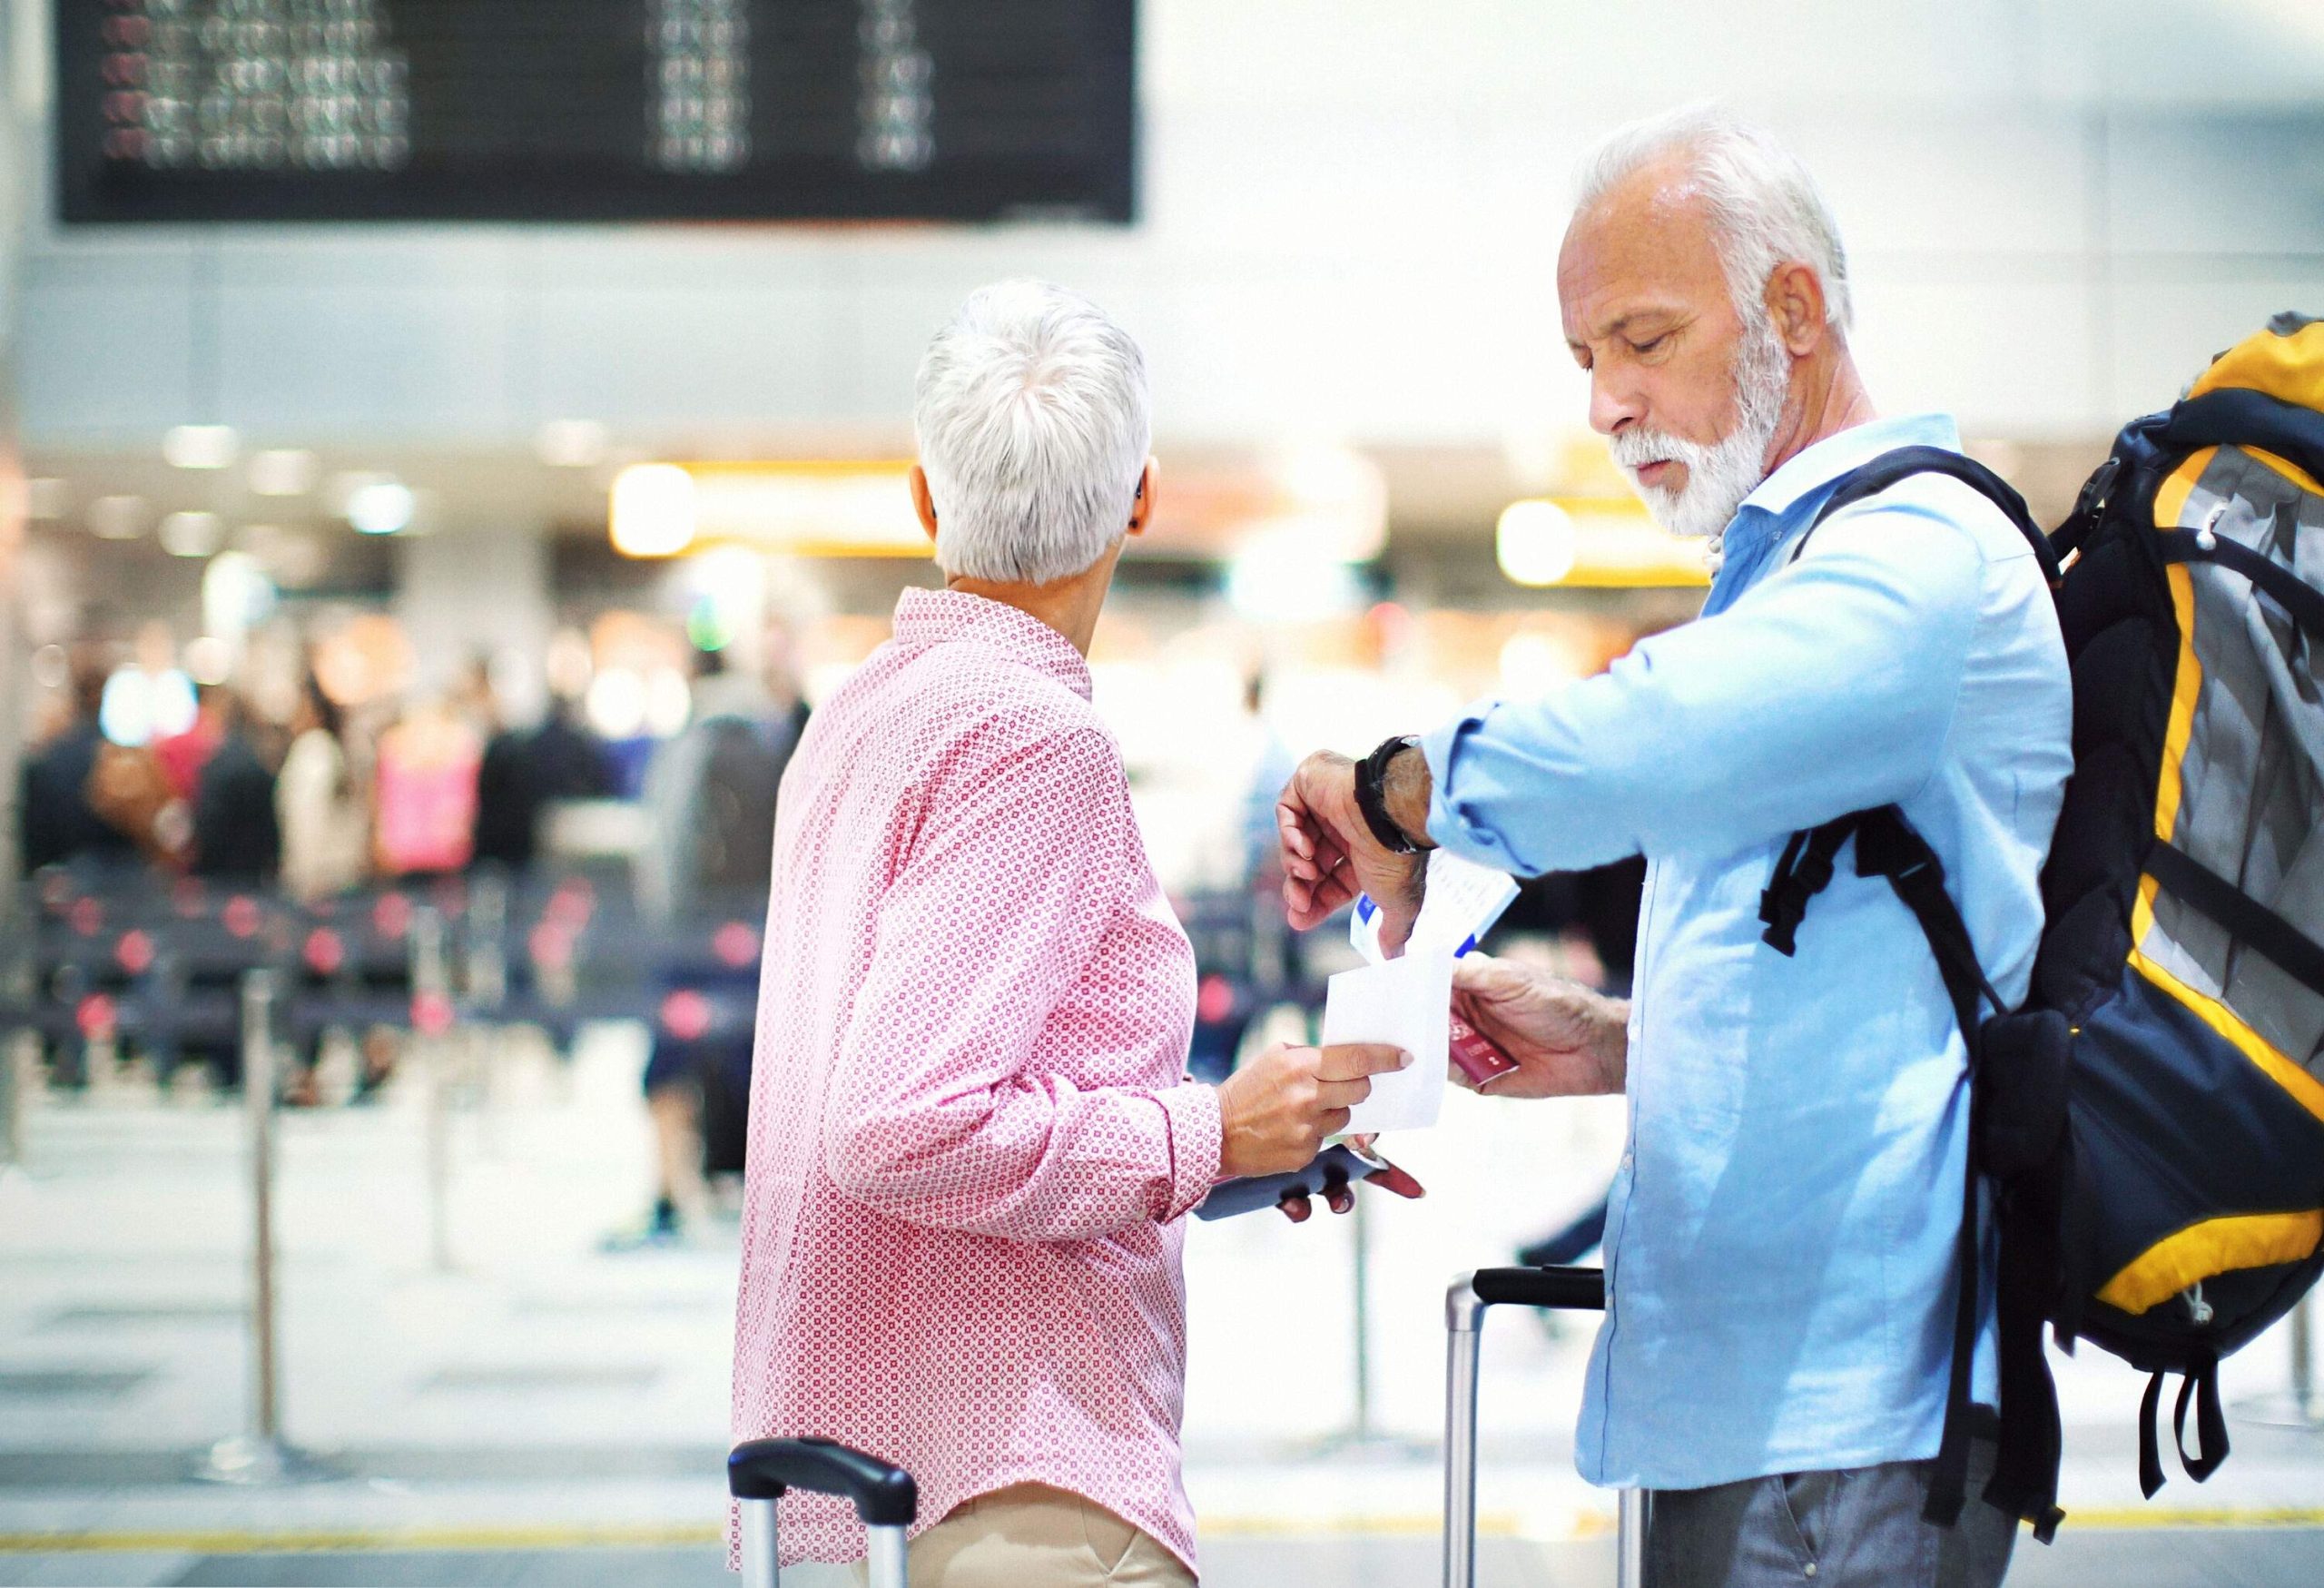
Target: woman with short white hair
(972,1136)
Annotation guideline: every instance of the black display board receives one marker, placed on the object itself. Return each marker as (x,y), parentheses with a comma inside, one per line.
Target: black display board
(593,110)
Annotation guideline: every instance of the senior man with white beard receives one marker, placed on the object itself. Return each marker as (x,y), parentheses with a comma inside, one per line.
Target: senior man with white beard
(1781,1241)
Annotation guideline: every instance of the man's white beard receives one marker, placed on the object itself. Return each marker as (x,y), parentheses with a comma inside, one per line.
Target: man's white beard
(1720,475)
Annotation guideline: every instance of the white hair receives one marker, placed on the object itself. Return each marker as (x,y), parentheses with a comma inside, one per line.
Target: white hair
(1034,424)
(1765,208)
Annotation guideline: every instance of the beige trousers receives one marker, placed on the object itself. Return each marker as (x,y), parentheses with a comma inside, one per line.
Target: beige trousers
(1033,1536)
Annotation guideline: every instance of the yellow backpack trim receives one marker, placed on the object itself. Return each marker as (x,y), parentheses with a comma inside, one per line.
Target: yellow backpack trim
(2216,1246)
(2289,368)
(2170,502)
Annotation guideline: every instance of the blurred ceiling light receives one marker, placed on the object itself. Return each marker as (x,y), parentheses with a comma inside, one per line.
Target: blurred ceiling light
(138,707)
(653,514)
(382,506)
(191,534)
(1605,543)
(200,446)
(1281,578)
(47,498)
(284,471)
(126,709)
(118,518)
(236,594)
(616,703)
(1534,542)
(809,508)
(571,443)
(209,659)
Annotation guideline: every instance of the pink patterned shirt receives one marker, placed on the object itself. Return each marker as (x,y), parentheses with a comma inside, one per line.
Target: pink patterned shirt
(971,1137)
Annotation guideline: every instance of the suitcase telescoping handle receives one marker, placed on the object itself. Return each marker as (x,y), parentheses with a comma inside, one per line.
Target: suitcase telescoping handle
(762,1471)
(1558,1289)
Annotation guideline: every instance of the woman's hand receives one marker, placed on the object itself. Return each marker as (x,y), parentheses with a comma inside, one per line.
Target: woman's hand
(1275,1113)
(1565,1040)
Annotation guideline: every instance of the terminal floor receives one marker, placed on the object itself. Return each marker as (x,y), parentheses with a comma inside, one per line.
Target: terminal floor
(535,1412)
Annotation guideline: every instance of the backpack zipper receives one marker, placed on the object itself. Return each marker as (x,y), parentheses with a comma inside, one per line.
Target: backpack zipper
(2197,1307)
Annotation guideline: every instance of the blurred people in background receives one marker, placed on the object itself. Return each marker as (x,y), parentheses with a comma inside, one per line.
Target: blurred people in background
(324,820)
(710,795)
(183,755)
(424,792)
(81,798)
(523,773)
(711,789)
(237,830)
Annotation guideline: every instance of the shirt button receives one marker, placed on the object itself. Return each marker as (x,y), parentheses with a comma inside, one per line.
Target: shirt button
(1628,1159)
(1810,1569)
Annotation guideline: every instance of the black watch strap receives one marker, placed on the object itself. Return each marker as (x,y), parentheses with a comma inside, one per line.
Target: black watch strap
(1370,771)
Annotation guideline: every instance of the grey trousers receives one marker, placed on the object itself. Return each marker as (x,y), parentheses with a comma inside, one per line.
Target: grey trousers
(1860,1528)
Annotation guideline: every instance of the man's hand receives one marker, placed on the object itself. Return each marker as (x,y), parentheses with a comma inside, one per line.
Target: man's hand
(1565,1040)
(1329,855)
(1276,1111)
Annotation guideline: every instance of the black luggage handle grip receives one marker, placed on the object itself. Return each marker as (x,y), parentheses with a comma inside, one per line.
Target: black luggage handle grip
(1562,1289)
(766,1469)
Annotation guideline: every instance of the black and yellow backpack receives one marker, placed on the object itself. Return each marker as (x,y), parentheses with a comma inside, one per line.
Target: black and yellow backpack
(2149,1126)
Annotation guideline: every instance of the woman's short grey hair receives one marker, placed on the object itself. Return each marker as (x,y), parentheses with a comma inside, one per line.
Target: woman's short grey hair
(1765,208)
(1034,425)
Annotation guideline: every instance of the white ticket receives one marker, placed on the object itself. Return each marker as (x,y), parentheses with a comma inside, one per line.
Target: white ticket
(1405,1002)
(1462,901)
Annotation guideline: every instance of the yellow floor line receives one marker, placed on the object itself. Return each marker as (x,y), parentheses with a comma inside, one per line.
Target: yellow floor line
(222,1542)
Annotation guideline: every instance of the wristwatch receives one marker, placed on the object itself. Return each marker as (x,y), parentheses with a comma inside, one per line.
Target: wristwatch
(1369,799)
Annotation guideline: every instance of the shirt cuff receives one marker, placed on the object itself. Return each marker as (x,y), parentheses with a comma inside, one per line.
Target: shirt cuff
(1192,1110)
(1448,823)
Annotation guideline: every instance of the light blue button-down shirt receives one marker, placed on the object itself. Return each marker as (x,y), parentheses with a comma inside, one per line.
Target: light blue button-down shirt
(1780,1247)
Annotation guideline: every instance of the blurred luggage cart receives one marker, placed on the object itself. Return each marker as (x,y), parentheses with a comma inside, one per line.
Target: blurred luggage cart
(1557,1289)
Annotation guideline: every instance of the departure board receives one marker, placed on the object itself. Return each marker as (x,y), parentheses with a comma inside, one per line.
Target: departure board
(594,110)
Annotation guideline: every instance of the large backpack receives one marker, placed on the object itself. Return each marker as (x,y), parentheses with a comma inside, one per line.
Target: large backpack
(2148,1128)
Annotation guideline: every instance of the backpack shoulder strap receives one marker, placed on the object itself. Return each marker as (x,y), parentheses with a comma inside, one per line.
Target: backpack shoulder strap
(1903,462)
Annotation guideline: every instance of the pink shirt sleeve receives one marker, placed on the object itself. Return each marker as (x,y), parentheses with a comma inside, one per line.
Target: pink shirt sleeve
(940,1111)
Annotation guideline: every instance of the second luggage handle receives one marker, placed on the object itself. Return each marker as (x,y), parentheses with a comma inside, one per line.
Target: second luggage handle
(760,1472)
(1560,1290)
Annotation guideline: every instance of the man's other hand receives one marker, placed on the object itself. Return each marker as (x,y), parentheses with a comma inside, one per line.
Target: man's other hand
(1275,1113)
(1329,854)
(1565,1040)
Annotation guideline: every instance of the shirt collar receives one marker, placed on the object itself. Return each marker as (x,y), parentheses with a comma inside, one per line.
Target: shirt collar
(1819,465)
(930,617)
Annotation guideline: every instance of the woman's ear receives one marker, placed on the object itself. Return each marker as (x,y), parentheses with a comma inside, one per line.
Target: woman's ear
(922,503)
(1142,507)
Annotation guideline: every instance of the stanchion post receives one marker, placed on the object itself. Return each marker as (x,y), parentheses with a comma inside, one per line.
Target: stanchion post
(11,1101)
(485,974)
(2303,1359)
(260,1455)
(258,1103)
(430,995)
